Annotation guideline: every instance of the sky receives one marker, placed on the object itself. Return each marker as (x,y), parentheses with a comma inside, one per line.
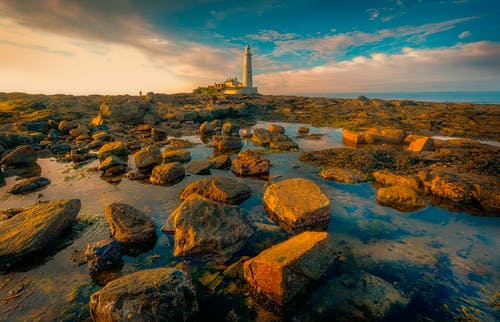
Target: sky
(314,46)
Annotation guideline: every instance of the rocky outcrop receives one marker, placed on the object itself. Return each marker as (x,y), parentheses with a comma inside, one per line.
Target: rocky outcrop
(204,227)
(358,297)
(129,225)
(226,144)
(342,175)
(116,148)
(400,197)
(160,294)
(22,156)
(249,163)
(388,178)
(148,158)
(168,173)
(220,189)
(422,144)
(28,185)
(200,167)
(32,230)
(297,205)
(282,273)
(176,156)
(103,255)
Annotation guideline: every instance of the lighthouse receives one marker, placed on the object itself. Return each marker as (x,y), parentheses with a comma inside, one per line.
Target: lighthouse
(247,68)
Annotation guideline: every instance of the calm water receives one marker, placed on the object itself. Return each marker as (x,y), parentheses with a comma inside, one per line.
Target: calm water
(446,262)
(490,97)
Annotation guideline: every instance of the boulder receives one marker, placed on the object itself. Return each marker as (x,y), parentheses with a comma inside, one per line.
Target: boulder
(176,156)
(204,227)
(390,136)
(129,225)
(358,297)
(32,230)
(354,137)
(261,136)
(201,167)
(148,158)
(285,271)
(275,128)
(400,197)
(226,144)
(28,185)
(80,129)
(103,255)
(22,156)
(168,173)
(422,144)
(111,162)
(65,126)
(230,129)
(221,162)
(297,205)
(160,294)
(282,142)
(96,121)
(116,148)
(102,136)
(206,129)
(342,175)
(249,163)
(158,134)
(129,112)
(388,178)
(220,189)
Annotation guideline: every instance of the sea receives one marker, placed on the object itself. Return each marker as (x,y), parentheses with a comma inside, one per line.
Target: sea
(482,97)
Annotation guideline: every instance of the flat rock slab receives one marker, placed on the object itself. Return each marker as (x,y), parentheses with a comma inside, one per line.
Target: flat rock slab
(32,230)
(28,185)
(297,205)
(168,173)
(400,197)
(201,167)
(204,228)
(129,225)
(160,294)
(220,189)
(283,272)
(364,296)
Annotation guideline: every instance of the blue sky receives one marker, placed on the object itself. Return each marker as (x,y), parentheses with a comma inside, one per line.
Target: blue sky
(121,46)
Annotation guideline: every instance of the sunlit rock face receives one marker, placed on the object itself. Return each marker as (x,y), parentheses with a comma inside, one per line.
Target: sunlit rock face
(297,205)
(160,294)
(166,174)
(129,225)
(34,229)
(283,272)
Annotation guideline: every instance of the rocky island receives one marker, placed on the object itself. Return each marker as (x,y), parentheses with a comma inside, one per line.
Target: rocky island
(261,207)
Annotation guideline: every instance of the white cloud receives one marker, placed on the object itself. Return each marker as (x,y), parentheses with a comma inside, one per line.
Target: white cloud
(473,66)
(267,35)
(373,14)
(464,34)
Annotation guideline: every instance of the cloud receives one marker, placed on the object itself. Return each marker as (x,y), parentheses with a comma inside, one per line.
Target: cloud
(373,14)
(464,34)
(473,66)
(338,43)
(267,35)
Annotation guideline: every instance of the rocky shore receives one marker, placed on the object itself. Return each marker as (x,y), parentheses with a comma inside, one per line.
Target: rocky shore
(396,146)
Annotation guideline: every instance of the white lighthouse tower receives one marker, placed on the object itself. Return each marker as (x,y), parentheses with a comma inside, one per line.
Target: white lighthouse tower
(247,85)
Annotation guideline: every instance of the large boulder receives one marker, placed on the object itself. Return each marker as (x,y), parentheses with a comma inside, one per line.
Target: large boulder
(422,144)
(29,232)
(116,148)
(285,271)
(176,156)
(249,163)
(297,205)
(400,197)
(204,227)
(28,185)
(148,158)
(22,156)
(168,173)
(226,144)
(220,189)
(129,225)
(160,294)
(357,297)
(342,175)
